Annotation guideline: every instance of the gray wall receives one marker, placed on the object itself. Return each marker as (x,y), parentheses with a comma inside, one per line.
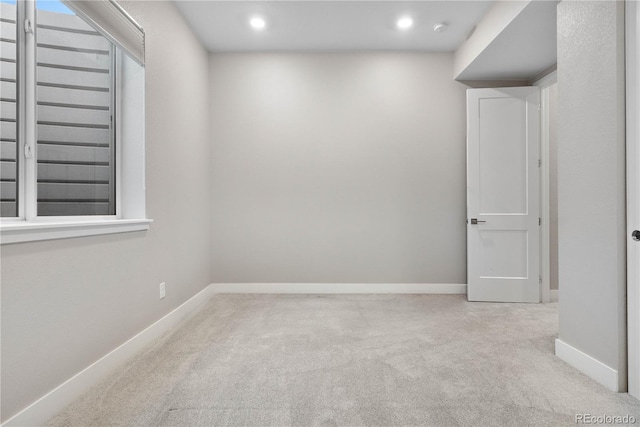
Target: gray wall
(337,168)
(591,179)
(66,303)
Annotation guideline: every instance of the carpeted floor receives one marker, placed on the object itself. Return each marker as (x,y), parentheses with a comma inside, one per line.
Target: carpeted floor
(351,360)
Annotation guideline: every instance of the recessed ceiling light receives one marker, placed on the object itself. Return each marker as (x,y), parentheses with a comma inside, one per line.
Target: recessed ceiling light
(257,23)
(404,23)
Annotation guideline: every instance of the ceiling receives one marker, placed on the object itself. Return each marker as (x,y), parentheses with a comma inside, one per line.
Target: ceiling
(522,50)
(334,26)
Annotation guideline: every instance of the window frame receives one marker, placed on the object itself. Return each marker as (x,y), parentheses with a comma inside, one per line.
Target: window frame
(28,226)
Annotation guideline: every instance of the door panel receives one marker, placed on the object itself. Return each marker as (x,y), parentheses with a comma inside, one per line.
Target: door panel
(503,145)
(633,194)
(503,156)
(504,253)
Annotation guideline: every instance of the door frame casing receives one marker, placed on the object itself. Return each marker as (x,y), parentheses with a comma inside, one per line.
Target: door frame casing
(546,295)
(632,25)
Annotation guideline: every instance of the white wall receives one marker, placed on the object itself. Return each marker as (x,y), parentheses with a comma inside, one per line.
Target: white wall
(67,303)
(343,168)
(591,182)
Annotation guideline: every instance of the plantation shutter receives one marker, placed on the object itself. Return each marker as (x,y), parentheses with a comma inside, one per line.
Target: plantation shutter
(114,23)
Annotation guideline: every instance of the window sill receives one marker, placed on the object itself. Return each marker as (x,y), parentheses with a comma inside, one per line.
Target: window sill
(17,232)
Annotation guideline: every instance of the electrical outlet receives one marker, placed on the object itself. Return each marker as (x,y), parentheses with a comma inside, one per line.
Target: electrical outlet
(163,290)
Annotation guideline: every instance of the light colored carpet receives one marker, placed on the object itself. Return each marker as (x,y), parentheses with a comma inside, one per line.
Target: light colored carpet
(351,360)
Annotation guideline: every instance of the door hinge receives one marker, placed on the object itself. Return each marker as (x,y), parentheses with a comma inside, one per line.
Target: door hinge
(539,162)
(540,280)
(28,26)
(539,221)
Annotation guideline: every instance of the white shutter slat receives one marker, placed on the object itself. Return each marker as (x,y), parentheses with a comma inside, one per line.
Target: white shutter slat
(7,130)
(79,116)
(73,58)
(58,76)
(65,40)
(62,21)
(7,109)
(57,172)
(8,190)
(7,30)
(73,135)
(8,50)
(53,153)
(8,209)
(8,70)
(63,95)
(89,193)
(8,90)
(73,208)
(7,150)
(8,170)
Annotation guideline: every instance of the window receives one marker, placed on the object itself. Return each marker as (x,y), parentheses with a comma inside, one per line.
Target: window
(71,120)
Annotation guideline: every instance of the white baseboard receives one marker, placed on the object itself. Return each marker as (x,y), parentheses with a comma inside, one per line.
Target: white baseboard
(554,295)
(51,403)
(597,370)
(339,288)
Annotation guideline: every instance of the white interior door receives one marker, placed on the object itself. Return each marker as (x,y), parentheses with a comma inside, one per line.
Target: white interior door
(503,201)
(633,194)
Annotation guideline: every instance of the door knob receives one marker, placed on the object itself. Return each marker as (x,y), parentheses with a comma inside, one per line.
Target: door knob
(475,221)
(635,235)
